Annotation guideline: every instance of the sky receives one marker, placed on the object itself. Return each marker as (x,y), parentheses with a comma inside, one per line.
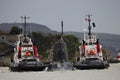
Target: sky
(105,13)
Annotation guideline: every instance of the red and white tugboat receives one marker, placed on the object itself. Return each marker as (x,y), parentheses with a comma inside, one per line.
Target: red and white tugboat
(91,55)
(26,56)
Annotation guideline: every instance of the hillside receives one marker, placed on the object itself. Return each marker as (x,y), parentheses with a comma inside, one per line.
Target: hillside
(109,41)
(30,27)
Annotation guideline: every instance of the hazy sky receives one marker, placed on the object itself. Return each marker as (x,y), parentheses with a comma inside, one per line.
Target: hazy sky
(106,13)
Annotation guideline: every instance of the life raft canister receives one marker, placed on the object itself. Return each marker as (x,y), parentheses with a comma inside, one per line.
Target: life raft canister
(35,51)
(19,51)
(98,46)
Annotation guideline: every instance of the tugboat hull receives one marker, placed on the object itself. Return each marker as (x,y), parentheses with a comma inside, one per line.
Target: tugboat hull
(27,67)
(94,65)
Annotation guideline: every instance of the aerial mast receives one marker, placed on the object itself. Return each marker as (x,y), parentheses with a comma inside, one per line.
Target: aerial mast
(25,24)
(89,26)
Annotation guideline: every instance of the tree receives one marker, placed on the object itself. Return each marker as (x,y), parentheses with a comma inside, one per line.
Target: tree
(72,45)
(15,30)
(45,44)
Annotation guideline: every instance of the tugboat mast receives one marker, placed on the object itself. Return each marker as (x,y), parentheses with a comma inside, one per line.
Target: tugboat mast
(25,24)
(89,25)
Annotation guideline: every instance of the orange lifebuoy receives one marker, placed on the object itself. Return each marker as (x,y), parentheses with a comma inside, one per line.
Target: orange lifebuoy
(27,53)
(91,52)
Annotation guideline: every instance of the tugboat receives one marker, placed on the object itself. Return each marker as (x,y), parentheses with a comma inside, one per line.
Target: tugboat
(91,55)
(60,55)
(26,56)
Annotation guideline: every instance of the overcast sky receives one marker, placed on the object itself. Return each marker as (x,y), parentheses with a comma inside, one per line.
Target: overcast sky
(105,13)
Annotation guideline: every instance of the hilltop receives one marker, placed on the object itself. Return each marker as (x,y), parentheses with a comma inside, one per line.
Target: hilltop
(33,27)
